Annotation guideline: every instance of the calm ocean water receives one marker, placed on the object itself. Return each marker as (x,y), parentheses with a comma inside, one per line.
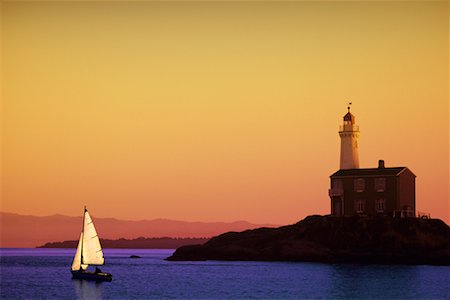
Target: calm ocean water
(45,274)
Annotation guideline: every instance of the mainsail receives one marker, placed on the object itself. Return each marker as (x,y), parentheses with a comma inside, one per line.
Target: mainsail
(89,250)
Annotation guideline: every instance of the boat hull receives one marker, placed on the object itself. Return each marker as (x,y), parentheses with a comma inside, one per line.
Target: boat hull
(91,276)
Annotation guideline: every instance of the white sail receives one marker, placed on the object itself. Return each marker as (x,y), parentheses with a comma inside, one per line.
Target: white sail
(77,259)
(91,253)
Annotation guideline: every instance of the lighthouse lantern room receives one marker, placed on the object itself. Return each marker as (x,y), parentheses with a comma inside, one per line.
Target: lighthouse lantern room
(349,133)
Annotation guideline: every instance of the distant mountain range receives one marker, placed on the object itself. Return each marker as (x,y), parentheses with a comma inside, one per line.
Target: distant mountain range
(21,231)
(139,243)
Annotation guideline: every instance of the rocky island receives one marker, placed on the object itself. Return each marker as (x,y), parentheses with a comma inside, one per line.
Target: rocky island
(328,239)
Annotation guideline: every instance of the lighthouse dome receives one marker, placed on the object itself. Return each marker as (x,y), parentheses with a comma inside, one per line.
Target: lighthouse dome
(349,117)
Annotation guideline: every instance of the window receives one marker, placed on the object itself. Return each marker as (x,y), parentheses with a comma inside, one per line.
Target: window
(337,184)
(380,184)
(359,206)
(359,185)
(380,205)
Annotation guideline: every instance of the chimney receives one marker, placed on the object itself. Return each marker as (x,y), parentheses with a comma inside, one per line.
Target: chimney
(381,164)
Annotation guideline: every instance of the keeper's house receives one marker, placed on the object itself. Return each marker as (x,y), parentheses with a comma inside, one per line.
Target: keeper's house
(385,191)
(374,191)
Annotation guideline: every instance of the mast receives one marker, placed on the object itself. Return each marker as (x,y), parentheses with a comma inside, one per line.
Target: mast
(82,236)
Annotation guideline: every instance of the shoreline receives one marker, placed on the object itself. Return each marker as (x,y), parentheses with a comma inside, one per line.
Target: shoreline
(328,239)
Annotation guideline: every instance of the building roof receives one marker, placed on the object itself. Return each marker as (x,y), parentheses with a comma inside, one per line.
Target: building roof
(370,172)
(349,117)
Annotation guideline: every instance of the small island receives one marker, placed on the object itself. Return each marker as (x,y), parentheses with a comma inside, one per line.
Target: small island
(330,239)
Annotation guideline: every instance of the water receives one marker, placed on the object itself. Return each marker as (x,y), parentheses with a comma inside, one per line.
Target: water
(45,274)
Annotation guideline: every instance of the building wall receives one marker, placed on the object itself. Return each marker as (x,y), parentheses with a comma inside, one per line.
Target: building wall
(349,150)
(407,187)
(399,191)
(390,194)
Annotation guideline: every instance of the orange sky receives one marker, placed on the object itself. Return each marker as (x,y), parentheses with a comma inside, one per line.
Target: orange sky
(217,111)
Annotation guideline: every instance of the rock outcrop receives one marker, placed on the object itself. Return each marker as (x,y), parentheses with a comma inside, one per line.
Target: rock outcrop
(376,240)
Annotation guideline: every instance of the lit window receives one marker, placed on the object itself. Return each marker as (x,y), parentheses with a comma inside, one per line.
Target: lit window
(380,205)
(380,184)
(359,206)
(359,185)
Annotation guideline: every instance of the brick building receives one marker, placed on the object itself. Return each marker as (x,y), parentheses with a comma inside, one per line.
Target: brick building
(381,190)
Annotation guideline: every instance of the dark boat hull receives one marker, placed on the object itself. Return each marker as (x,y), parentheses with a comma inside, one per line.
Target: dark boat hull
(91,276)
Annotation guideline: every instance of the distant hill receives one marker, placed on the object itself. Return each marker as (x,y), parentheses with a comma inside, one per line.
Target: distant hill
(21,231)
(139,243)
(377,240)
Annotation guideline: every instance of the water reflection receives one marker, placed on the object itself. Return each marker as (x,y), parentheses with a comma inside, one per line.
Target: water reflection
(354,281)
(88,289)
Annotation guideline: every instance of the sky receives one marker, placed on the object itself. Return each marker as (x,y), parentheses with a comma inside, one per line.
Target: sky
(217,111)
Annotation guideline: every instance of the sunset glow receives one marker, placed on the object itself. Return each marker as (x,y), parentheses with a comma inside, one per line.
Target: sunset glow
(214,111)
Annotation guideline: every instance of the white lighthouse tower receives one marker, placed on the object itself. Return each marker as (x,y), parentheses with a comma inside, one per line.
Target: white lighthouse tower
(349,133)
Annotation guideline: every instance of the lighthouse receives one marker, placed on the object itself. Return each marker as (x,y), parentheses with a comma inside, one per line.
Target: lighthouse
(382,191)
(349,133)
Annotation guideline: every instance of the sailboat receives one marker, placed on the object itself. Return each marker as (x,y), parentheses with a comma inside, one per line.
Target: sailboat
(89,252)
